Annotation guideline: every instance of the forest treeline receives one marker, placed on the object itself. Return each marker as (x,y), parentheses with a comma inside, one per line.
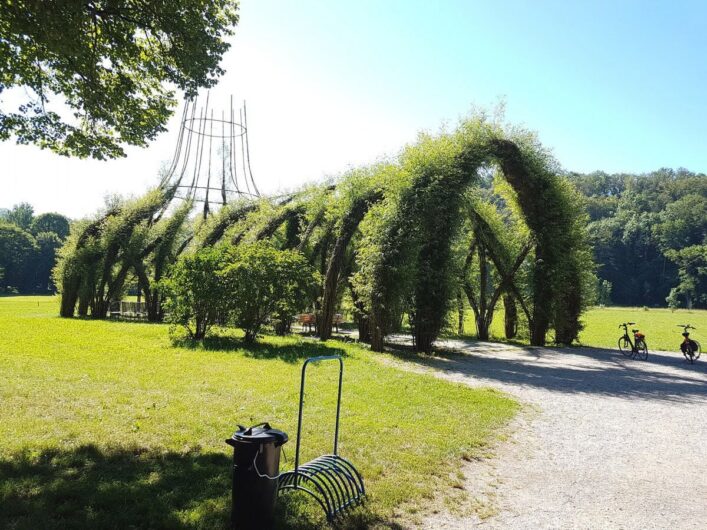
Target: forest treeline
(648,232)
(28,249)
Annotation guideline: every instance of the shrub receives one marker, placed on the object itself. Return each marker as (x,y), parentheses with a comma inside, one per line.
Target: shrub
(194,290)
(245,285)
(265,283)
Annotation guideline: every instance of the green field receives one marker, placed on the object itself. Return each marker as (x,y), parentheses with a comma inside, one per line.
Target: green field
(108,424)
(601,326)
(659,326)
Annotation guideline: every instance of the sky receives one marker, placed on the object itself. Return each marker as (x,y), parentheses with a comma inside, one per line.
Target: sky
(608,85)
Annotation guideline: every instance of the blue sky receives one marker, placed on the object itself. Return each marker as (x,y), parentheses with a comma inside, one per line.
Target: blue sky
(617,86)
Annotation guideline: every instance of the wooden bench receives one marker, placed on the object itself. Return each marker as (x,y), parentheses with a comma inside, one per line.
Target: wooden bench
(307,319)
(338,319)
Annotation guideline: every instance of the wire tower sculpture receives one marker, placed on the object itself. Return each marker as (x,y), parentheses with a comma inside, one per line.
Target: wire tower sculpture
(211,162)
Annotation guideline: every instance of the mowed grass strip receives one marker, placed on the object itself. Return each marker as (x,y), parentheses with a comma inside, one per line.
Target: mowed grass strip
(601,326)
(659,326)
(109,425)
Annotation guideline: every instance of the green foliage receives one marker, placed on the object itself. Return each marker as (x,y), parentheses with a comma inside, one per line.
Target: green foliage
(392,237)
(673,299)
(30,247)
(247,285)
(48,244)
(692,273)
(604,292)
(262,282)
(51,222)
(167,239)
(682,223)
(21,215)
(112,63)
(635,220)
(195,290)
(411,253)
(94,264)
(17,250)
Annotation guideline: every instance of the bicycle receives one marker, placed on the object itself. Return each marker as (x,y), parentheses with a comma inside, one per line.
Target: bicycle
(636,348)
(690,348)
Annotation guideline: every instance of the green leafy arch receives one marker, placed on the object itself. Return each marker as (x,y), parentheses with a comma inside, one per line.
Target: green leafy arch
(425,222)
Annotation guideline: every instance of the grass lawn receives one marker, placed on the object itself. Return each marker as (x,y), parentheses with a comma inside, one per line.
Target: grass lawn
(659,326)
(601,326)
(109,425)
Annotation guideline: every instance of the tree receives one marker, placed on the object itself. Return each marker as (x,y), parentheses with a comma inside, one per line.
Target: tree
(683,223)
(635,220)
(17,249)
(493,242)
(50,222)
(95,262)
(48,243)
(263,283)
(21,215)
(692,273)
(114,65)
(163,245)
(604,292)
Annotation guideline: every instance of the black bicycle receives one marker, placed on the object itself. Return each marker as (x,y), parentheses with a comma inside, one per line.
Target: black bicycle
(690,348)
(636,348)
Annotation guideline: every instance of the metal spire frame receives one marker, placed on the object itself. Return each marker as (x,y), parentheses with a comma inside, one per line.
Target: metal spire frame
(193,173)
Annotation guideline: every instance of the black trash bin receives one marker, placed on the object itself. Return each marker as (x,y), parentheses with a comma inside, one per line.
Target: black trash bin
(256,464)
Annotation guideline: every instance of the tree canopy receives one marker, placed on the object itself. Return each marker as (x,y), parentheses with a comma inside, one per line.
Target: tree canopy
(114,65)
(639,227)
(28,248)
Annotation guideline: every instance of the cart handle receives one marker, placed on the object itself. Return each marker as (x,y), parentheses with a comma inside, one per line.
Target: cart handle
(301,402)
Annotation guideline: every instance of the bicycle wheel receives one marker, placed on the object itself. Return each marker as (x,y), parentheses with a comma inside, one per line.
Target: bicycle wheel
(625,346)
(641,350)
(692,351)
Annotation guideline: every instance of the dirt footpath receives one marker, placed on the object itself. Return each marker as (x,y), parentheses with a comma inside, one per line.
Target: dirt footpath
(604,441)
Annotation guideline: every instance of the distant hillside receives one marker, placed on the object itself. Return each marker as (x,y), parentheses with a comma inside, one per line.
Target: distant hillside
(649,234)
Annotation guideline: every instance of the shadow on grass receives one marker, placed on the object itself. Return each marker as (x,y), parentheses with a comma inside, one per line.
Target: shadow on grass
(288,352)
(291,352)
(89,487)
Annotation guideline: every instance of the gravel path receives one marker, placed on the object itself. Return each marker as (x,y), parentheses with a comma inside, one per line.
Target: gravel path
(605,441)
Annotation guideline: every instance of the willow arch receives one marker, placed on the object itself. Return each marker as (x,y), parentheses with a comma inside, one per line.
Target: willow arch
(422,230)
(415,207)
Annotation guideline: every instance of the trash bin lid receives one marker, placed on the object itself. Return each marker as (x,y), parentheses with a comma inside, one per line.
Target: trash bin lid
(261,433)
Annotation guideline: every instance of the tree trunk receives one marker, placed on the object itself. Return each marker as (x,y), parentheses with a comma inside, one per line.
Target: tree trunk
(84,303)
(424,338)
(331,283)
(200,332)
(154,306)
(69,296)
(364,332)
(460,313)
(482,319)
(377,333)
(541,300)
(510,316)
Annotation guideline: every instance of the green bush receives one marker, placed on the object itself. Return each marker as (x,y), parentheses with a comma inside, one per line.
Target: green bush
(246,285)
(264,283)
(194,290)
